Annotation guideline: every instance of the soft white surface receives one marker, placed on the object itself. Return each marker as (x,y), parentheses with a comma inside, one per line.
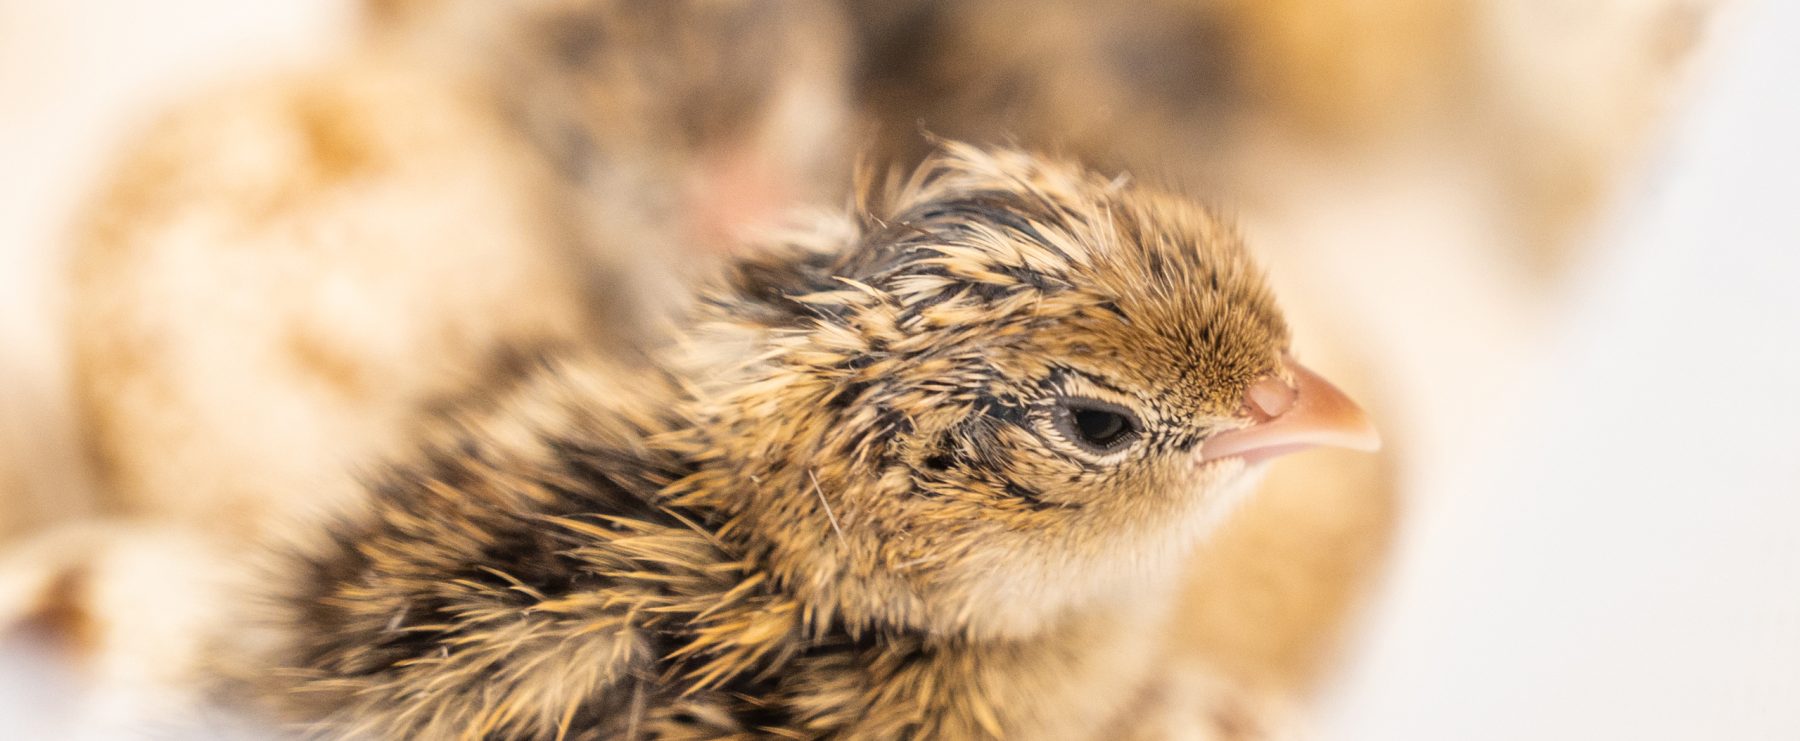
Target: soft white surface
(1624,562)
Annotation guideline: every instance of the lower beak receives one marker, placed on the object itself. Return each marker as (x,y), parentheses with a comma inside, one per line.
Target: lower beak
(1307,412)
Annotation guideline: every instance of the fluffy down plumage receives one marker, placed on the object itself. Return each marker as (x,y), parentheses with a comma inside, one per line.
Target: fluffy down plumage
(851,501)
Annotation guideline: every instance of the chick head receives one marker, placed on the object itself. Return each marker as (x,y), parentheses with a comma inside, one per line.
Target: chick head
(990,398)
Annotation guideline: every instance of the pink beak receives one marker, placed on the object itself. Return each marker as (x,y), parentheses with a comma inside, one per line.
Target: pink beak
(1286,417)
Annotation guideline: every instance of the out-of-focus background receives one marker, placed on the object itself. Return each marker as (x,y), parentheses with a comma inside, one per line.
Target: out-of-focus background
(1610,554)
(1558,236)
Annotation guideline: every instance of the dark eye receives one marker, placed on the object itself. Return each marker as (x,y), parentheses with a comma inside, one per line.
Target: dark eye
(1096,425)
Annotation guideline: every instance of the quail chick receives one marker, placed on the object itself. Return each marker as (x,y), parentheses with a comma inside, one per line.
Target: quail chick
(927,471)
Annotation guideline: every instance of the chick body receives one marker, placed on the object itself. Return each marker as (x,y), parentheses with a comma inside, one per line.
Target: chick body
(852,501)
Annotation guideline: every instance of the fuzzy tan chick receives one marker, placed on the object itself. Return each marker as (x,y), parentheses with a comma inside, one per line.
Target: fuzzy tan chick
(281,278)
(932,471)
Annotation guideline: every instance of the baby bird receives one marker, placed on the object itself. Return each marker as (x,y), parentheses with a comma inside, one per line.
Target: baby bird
(929,470)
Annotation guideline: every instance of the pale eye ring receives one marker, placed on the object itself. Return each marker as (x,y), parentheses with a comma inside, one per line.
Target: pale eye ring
(1099,427)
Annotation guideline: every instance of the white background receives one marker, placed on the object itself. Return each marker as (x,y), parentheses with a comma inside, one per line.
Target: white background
(1616,553)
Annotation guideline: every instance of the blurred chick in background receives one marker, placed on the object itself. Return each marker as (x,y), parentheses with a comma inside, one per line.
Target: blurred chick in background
(1554,99)
(282,279)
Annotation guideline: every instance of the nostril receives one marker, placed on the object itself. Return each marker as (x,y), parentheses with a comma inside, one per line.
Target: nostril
(1270,398)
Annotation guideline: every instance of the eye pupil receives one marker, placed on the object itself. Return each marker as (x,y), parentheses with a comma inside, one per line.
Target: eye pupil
(1099,426)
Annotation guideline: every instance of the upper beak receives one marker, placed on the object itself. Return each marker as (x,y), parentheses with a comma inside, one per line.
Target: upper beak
(1288,416)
